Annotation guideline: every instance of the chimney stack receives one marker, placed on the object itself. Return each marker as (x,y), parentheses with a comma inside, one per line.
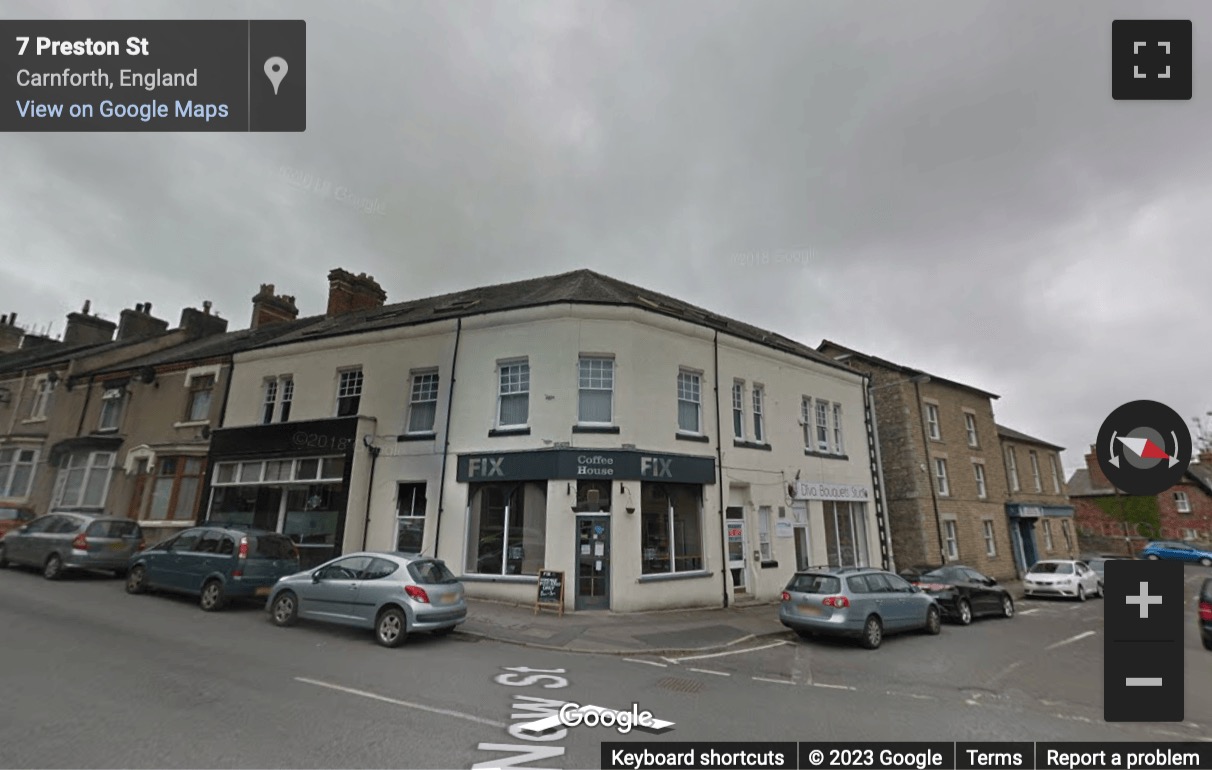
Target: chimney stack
(200,323)
(85,329)
(10,333)
(348,293)
(269,307)
(140,323)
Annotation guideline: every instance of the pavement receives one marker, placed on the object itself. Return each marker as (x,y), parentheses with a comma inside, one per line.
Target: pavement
(661,632)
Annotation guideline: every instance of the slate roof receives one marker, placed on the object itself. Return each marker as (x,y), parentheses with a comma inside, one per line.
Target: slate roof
(1081,486)
(900,368)
(36,358)
(584,287)
(1014,435)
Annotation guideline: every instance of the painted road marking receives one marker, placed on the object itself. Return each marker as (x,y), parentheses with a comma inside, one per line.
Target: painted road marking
(728,652)
(911,695)
(1028,612)
(646,662)
(1070,640)
(775,681)
(404,703)
(709,671)
(835,686)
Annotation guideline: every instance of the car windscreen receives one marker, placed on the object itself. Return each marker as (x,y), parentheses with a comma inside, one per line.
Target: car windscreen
(431,572)
(114,529)
(271,547)
(815,584)
(940,575)
(1052,568)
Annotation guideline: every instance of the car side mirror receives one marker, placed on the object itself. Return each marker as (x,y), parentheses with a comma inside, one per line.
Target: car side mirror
(23,530)
(915,589)
(991,581)
(315,577)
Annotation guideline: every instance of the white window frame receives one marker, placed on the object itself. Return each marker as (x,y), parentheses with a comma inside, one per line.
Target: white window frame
(1056,478)
(982,484)
(821,418)
(839,446)
(592,382)
(941,478)
(512,389)
(1046,525)
(91,466)
(9,470)
(1067,533)
(934,429)
(287,398)
(1012,469)
(1182,503)
(759,416)
(417,382)
(351,383)
(738,410)
(765,545)
(43,390)
(685,378)
(1036,476)
(112,402)
(970,426)
(269,400)
(990,532)
(1190,534)
(951,539)
(413,515)
(806,412)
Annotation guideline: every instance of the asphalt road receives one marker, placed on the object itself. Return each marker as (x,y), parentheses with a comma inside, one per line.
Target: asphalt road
(94,678)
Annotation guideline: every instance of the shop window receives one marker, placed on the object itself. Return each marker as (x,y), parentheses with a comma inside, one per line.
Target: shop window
(252,506)
(507,529)
(176,489)
(846,533)
(410,518)
(593,496)
(671,528)
(311,520)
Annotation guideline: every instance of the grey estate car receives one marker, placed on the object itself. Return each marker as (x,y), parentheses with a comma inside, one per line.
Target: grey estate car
(59,542)
(856,601)
(393,594)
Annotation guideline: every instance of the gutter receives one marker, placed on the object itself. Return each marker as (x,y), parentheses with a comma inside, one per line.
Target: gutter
(719,456)
(370,486)
(454,360)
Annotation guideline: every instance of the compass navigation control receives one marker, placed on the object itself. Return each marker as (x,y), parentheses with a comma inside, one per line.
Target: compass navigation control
(1144,448)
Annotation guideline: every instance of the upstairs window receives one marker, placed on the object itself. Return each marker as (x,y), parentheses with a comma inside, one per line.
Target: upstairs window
(690,391)
(111,409)
(423,402)
(759,424)
(595,390)
(201,389)
(738,410)
(513,396)
(349,392)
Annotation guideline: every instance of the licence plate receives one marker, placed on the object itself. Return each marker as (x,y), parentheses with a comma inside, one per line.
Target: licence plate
(809,609)
(117,546)
(449,599)
(262,591)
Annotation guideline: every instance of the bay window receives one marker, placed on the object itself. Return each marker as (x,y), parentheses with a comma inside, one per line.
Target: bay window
(83,480)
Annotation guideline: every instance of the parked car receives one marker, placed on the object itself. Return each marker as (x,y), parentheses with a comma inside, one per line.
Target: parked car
(1062,577)
(963,593)
(1169,549)
(12,517)
(1205,614)
(215,563)
(59,542)
(858,602)
(393,594)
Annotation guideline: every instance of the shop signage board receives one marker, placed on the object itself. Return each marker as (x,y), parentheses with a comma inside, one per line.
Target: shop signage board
(606,464)
(551,591)
(817,490)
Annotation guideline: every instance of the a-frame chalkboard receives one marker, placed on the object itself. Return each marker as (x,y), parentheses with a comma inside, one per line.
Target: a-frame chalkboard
(551,591)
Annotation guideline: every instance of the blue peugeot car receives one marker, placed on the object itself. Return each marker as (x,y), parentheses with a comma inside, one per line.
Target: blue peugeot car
(1175,551)
(214,563)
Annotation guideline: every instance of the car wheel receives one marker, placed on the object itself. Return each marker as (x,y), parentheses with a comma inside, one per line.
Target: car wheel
(3,557)
(53,568)
(212,598)
(1207,644)
(1081,593)
(873,633)
(934,621)
(285,609)
(1007,607)
(965,612)
(803,634)
(1098,592)
(136,581)
(391,628)
(1204,561)
(1152,557)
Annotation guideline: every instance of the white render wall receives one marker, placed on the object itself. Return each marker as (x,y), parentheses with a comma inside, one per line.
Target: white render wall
(648,349)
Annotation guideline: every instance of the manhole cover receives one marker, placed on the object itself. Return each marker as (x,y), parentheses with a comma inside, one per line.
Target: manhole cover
(680,685)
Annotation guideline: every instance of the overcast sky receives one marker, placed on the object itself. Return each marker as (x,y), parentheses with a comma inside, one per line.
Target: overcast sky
(946,184)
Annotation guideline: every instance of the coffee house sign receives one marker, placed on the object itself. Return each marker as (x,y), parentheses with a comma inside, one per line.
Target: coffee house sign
(624,465)
(814,490)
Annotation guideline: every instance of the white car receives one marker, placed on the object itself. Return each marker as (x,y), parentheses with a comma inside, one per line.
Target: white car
(1062,577)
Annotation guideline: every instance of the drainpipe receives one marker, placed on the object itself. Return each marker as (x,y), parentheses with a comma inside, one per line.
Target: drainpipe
(881,501)
(231,370)
(12,420)
(370,487)
(454,360)
(88,394)
(719,456)
(938,519)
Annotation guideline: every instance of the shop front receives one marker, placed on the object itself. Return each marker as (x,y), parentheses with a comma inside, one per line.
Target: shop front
(291,478)
(831,526)
(612,520)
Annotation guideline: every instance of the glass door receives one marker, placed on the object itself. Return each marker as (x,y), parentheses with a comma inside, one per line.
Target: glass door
(593,563)
(735,525)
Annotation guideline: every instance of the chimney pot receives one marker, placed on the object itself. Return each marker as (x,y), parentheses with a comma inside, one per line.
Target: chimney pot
(88,303)
(206,307)
(147,307)
(12,319)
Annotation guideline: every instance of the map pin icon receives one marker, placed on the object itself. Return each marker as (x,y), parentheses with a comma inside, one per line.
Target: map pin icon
(275,70)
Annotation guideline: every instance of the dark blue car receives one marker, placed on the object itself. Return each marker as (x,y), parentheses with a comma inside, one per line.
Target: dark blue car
(1174,551)
(216,564)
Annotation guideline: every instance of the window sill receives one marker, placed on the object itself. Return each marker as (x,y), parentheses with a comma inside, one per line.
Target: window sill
(105,431)
(753,445)
(522,431)
(825,455)
(662,578)
(699,437)
(191,424)
(32,420)
(595,429)
(426,436)
(523,579)
(770,564)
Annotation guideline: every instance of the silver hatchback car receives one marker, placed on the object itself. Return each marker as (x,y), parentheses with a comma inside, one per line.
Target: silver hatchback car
(393,594)
(59,542)
(856,601)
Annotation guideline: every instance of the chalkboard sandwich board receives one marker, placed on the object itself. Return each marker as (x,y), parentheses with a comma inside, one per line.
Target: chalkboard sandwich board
(551,591)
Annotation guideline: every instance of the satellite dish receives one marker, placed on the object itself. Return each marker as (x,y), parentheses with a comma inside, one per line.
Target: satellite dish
(148,374)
